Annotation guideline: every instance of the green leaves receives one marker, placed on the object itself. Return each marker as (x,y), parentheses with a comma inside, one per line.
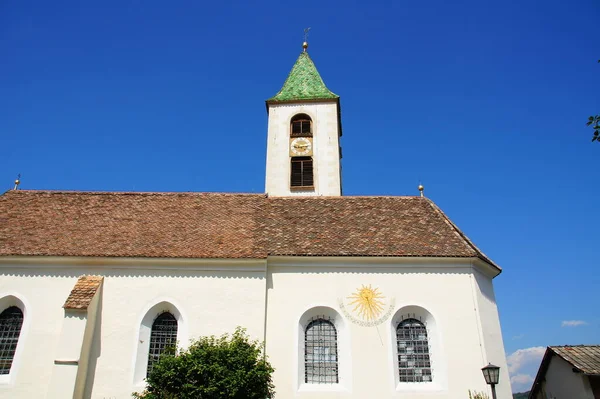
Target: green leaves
(594,121)
(226,367)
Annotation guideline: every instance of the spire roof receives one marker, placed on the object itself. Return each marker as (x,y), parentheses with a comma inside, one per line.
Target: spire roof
(303,83)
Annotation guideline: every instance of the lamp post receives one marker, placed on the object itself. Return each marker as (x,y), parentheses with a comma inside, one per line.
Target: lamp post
(491,374)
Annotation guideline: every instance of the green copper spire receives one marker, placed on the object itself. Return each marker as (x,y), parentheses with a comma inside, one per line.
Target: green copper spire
(303,83)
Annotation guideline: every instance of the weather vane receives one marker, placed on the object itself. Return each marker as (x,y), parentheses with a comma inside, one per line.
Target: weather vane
(305,44)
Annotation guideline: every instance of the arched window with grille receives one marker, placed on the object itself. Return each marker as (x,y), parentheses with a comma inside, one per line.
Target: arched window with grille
(301,126)
(414,363)
(320,352)
(11,321)
(162,336)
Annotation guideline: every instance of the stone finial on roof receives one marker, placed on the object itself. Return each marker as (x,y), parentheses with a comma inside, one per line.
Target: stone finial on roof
(17,182)
(83,292)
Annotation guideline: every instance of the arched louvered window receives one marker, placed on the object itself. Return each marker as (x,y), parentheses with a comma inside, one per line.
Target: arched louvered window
(11,320)
(301,125)
(320,352)
(414,364)
(162,336)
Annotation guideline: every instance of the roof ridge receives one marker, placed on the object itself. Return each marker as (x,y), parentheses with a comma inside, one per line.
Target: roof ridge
(347,196)
(458,231)
(166,193)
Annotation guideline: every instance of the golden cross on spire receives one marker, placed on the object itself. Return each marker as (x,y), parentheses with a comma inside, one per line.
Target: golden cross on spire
(305,44)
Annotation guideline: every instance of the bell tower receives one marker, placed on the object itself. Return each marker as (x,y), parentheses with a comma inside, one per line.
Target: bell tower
(304,129)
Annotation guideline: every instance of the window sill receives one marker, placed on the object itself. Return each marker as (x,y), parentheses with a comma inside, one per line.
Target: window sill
(305,387)
(302,188)
(418,387)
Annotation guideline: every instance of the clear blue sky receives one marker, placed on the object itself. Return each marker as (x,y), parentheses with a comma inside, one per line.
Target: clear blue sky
(484,102)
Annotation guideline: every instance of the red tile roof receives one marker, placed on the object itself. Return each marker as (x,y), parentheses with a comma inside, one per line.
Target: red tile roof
(83,292)
(214,225)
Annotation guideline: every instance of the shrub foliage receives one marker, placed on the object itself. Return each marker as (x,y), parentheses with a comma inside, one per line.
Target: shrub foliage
(226,367)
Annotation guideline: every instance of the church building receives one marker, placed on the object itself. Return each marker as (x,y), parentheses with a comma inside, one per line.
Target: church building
(362,297)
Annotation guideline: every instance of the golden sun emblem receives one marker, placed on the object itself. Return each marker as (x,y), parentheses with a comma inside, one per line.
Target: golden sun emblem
(367,302)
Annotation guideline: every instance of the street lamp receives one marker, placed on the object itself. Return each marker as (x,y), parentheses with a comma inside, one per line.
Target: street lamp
(491,374)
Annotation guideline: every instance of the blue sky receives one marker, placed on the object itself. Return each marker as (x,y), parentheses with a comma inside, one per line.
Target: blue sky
(485,103)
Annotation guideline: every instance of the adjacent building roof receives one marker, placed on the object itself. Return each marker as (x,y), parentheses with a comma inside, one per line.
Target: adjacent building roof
(584,358)
(83,292)
(215,225)
(303,83)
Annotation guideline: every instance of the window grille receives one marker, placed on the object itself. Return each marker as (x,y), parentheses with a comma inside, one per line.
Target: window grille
(414,364)
(163,336)
(11,321)
(302,172)
(301,126)
(320,352)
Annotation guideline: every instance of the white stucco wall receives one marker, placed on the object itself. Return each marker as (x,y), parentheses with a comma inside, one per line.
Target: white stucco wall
(562,383)
(212,298)
(490,330)
(326,153)
(445,290)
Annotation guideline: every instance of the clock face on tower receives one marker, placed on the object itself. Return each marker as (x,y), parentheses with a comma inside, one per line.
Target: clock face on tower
(301,146)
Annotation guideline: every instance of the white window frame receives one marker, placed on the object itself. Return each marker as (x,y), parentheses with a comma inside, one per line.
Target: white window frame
(436,353)
(343,349)
(142,343)
(7,300)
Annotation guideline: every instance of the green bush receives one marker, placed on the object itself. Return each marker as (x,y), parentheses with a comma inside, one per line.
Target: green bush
(226,367)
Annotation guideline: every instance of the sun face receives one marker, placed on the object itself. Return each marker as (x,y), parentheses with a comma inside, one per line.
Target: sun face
(367,302)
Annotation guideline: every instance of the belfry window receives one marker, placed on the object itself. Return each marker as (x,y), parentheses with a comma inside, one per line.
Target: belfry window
(414,364)
(320,352)
(162,336)
(301,125)
(11,321)
(302,172)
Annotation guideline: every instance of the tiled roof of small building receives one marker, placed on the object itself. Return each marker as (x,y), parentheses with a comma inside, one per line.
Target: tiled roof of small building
(215,225)
(303,83)
(586,358)
(83,292)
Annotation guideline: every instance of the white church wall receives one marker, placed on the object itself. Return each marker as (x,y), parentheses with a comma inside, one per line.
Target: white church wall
(491,331)
(325,148)
(442,290)
(212,299)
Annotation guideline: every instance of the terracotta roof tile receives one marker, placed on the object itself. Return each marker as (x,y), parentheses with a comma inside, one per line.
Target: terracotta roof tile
(83,292)
(214,225)
(586,358)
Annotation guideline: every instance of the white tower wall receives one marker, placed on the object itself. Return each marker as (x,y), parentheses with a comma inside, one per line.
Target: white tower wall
(326,148)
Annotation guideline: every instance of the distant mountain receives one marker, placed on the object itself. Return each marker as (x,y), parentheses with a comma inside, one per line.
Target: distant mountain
(521,395)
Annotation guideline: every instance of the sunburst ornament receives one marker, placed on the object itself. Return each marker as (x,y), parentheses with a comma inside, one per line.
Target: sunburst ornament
(368,302)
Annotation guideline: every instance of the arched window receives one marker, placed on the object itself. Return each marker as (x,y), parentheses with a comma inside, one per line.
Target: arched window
(320,352)
(301,125)
(11,321)
(162,336)
(414,364)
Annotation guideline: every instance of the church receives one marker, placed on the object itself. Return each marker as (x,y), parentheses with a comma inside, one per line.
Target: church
(354,296)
